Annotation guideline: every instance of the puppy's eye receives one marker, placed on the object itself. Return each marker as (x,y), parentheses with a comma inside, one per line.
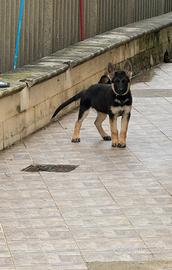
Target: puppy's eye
(123,81)
(117,80)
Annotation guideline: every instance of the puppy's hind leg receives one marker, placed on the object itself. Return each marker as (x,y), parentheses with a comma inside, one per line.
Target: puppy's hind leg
(83,112)
(98,123)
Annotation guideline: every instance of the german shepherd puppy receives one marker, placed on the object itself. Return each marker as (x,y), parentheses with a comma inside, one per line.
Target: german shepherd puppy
(113,99)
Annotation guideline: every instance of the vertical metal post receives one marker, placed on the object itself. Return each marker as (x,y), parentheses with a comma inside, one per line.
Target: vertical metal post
(48,26)
(131,11)
(81,15)
(93,18)
(20,18)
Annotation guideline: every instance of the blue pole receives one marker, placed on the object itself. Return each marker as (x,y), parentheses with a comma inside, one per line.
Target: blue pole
(20,18)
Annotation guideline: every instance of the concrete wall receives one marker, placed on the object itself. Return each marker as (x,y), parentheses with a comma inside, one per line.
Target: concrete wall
(50,25)
(36,90)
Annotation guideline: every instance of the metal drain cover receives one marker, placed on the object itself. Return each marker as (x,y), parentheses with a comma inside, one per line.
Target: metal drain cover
(50,168)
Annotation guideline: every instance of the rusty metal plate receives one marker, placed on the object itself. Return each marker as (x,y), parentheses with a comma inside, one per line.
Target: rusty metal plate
(49,168)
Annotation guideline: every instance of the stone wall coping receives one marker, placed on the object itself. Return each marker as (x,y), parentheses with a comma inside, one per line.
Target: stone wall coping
(80,52)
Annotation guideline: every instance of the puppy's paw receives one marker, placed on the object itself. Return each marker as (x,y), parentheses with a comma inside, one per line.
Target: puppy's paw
(121,145)
(114,145)
(76,140)
(107,138)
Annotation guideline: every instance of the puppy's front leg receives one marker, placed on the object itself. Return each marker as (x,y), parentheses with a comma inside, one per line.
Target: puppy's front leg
(114,130)
(124,127)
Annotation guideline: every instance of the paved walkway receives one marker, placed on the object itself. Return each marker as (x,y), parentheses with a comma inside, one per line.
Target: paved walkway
(116,206)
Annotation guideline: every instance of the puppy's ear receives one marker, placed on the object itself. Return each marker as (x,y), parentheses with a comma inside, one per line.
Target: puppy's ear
(128,69)
(111,70)
(105,79)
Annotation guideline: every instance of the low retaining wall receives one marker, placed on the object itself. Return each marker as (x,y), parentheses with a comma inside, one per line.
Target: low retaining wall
(36,90)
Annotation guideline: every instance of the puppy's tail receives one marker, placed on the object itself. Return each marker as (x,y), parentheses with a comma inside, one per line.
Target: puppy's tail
(67,102)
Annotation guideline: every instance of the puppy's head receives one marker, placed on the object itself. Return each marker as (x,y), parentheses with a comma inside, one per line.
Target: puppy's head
(120,78)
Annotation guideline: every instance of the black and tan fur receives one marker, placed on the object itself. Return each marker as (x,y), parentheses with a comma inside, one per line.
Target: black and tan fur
(113,99)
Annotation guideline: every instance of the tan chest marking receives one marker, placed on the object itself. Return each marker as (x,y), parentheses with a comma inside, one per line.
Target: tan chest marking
(119,110)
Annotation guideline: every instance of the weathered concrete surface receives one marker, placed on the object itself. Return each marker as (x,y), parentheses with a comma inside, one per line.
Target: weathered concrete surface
(152,35)
(115,207)
(36,90)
